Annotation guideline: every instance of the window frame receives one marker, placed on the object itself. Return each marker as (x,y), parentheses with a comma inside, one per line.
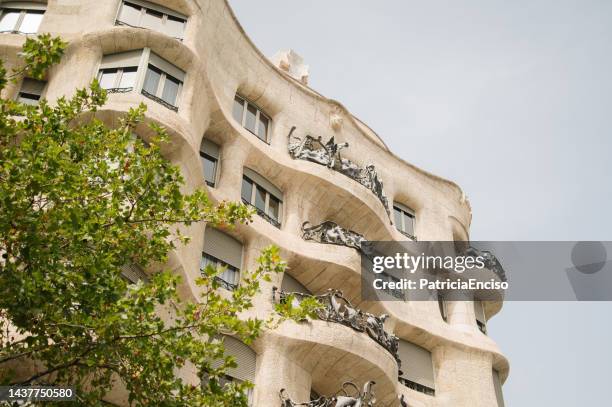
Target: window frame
(20,92)
(118,76)
(278,221)
(211,151)
(258,113)
(23,8)
(145,57)
(406,212)
(144,6)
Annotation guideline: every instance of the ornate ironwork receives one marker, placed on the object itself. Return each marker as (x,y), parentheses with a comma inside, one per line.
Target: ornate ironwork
(226,284)
(416,386)
(338,309)
(264,215)
(408,235)
(490,261)
(160,101)
(329,232)
(343,398)
(312,149)
(119,90)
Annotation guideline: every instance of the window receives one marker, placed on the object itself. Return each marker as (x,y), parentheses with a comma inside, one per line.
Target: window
(291,285)
(21,17)
(142,70)
(404,220)
(261,194)
(209,154)
(143,14)
(133,273)
(417,367)
(31,91)
(251,118)
(221,250)
(246,360)
(481,320)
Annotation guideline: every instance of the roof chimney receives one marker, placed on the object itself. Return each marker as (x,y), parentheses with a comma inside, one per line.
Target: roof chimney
(291,63)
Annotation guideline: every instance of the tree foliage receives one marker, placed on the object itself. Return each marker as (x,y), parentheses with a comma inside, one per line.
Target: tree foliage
(78,201)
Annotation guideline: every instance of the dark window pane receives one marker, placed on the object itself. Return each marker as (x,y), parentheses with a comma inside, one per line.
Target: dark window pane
(260,198)
(238,109)
(249,123)
(210,169)
(397,218)
(28,98)
(273,207)
(171,89)
(151,81)
(247,189)
(262,132)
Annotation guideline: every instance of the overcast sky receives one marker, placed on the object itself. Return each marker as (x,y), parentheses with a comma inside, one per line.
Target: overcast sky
(513,101)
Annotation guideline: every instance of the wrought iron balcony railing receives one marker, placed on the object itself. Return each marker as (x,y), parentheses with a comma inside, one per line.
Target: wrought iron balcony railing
(159,100)
(416,386)
(264,215)
(119,90)
(338,309)
(331,233)
(342,398)
(312,149)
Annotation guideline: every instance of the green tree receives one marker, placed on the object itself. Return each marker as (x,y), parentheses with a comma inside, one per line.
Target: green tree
(80,200)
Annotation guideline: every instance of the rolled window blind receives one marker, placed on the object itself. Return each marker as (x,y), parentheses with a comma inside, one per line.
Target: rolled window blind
(290,284)
(167,67)
(498,389)
(261,181)
(121,60)
(32,86)
(417,364)
(210,148)
(246,359)
(223,247)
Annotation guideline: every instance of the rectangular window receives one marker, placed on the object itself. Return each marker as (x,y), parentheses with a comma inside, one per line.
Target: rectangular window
(404,220)
(221,250)
(24,17)
(210,154)
(263,195)
(251,118)
(136,13)
(417,367)
(31,91)
(118,79)
(154,77)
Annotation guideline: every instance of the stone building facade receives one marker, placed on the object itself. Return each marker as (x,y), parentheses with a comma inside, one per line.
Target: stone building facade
(248,130)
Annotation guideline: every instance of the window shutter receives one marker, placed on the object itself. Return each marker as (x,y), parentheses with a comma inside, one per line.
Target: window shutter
(261,181)
(404,208)
(121,60)
(167,67)
(498,389)
(157,7)
(223,247)
(291,285)
(32,86)
(133,273)
(246,359)
(210,148)
(417,364)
